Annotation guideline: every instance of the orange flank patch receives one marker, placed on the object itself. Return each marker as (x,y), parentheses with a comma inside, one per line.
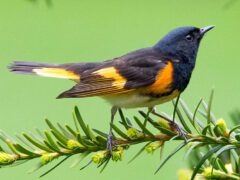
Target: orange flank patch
(163,81)
(118,81)
(57,73)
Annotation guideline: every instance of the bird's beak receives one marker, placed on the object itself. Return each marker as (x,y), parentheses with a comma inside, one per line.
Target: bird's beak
(205,29)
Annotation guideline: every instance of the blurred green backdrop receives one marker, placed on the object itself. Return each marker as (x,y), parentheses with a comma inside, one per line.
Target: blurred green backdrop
(80,30)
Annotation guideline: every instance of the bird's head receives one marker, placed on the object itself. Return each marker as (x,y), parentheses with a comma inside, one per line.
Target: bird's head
(182,43)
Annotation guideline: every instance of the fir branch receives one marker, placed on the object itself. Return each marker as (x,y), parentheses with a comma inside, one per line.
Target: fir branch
(205,133)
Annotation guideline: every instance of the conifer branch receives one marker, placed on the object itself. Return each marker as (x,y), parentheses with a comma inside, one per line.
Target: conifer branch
(210,142)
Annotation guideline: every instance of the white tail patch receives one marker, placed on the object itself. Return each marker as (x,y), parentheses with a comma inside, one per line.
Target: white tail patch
(56,73)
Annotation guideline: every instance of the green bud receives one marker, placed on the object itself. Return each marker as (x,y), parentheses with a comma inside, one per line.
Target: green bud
(229,168)
(216,174)
(207,172)
(221,124)
(48,157)
(6,159)
(134,133)
(164,123)
(117,154)
(99,156)
(184,174)
(153,146)
(73,144)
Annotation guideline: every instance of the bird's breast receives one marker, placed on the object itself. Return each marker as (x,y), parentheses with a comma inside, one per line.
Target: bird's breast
(135,99)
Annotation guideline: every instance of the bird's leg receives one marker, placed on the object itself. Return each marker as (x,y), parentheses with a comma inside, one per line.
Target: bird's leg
(145,120)
(172,123)
(154,112)
(110,135)
(175,108)
(177,127)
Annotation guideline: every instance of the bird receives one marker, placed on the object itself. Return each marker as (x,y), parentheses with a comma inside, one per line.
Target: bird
(141,78)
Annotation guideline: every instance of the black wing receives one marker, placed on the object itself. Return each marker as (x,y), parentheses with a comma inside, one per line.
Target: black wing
(120,75)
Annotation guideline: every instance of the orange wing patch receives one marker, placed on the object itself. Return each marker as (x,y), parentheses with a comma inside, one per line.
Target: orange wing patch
(57,73)
(118,81)
(163,81)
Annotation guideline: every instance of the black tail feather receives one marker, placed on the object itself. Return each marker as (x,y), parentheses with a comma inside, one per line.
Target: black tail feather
(22,67)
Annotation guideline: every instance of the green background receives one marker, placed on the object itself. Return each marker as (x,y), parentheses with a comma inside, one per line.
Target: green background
(84,30)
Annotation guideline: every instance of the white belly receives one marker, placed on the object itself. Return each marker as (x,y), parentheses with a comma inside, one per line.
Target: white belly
(133,100)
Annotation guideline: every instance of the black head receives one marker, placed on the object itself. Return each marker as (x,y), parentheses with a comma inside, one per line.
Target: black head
(182,43)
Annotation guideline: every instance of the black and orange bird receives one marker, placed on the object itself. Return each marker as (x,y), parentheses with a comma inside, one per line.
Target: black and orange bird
(142,78)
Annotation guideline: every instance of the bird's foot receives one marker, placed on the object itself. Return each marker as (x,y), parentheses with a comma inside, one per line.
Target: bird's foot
(110,143)
(173,124)
(180,131)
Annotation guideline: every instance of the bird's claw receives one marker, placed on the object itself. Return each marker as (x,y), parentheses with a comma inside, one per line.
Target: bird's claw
(110,143)
(181,132)
(173,124)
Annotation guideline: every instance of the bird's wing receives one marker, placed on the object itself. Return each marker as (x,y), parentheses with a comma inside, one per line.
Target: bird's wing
(121,75)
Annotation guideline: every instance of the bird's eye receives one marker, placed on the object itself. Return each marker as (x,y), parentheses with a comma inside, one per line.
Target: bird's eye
(189,38)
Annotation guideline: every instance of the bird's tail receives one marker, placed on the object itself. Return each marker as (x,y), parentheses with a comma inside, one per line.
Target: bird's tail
(71,71)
